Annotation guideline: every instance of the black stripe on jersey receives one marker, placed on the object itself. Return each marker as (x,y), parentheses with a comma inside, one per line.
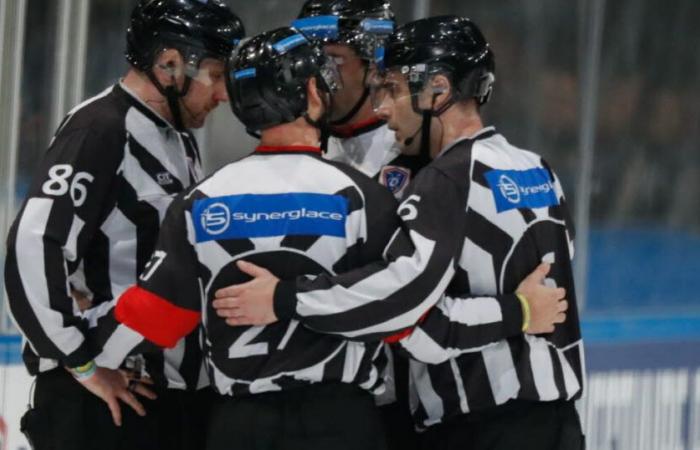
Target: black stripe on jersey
(479,171)
(333,369)
(355,201)
(235,247)
(520,349)
(475,377)
(96,268)
(348,261)
(192,360)
(379,361)
(192,153)
(528,215)
(153,167)
(31,360)
(459,283)
(54,266)
(558,372)
(155,367)
(145,217)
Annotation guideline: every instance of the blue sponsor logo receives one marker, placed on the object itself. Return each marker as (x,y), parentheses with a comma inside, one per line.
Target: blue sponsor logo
(245,73)
(378,26)
(289,43)
(255,216)
(529,189)
(318,27)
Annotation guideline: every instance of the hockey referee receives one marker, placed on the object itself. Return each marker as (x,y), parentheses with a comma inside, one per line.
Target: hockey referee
(90,224)
(480,216)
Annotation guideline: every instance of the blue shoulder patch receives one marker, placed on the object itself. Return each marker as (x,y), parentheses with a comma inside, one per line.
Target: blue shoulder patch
(255,216)
(526,189)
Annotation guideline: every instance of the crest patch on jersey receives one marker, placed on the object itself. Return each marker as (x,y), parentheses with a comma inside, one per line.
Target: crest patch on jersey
(515,189)
(268,215)
(395,178)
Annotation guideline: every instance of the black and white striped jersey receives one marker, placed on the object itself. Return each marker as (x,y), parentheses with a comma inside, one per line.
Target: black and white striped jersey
(90,223)
(284,208)
(371,148)
(479,219)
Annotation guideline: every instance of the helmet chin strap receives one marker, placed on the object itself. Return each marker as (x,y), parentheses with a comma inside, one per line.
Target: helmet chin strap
(427,118)
(172,96)
(355,109)
(322,123)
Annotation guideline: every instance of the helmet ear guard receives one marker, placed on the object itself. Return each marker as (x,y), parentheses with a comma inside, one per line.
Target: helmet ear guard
(484,88)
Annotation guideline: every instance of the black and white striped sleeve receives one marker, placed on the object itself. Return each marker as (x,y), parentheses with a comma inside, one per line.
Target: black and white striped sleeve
(70,191)
(388,296)
(165,305)
(463,325)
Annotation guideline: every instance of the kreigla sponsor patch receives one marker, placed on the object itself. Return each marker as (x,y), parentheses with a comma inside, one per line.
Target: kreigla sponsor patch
(516,189)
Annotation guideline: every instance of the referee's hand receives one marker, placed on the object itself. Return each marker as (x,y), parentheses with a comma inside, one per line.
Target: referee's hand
(112,386)
(547,303)
(250,303)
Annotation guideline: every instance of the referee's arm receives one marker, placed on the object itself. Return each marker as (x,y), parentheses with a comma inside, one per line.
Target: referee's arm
(50,236)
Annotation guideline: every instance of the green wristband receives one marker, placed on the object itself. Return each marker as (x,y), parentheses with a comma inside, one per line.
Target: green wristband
(82,373)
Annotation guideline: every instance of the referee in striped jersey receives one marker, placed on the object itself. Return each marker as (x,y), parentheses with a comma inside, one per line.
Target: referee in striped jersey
(90,223)
(480,217)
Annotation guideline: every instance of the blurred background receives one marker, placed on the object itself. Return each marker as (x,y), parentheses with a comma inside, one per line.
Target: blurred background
(607,91)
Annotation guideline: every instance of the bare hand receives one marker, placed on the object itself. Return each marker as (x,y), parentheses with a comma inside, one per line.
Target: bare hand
(249,303)
(112,386)
(138,384)
(547,304)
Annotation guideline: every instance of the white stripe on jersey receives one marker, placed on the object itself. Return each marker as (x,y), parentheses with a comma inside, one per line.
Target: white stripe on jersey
(117,347)
(30,262)
(121,233)
(70,251)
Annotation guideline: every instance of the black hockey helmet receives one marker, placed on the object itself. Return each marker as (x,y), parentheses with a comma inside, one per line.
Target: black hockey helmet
(361,24)
(196,28)
(450,45)
(267,77)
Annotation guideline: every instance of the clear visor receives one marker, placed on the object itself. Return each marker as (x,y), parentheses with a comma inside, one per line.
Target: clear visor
(331,75)
(386,88)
